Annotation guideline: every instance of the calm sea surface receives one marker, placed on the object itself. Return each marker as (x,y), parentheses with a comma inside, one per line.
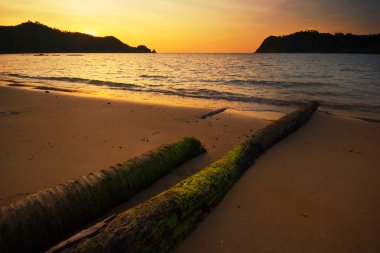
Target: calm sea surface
(343,83)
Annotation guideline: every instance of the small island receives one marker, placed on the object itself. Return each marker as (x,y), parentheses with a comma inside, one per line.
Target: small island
(34,37)
(316,42)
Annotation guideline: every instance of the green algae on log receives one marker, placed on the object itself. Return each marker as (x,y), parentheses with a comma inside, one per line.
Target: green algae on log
(160,223)
(41,219)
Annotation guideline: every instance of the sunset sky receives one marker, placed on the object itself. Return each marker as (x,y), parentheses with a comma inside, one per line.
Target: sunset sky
(196,25)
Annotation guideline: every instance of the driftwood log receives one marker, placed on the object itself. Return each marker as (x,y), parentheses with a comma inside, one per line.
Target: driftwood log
(160,223)
(212,113)
(42,219)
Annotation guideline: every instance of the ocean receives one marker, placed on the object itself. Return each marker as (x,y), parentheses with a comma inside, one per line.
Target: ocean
(344,84)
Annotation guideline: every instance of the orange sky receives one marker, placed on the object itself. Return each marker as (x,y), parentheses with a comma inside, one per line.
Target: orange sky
(196,25)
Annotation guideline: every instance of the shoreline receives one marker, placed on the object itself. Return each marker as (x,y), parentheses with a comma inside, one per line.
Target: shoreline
(371,120)
(262,114)
(265,114)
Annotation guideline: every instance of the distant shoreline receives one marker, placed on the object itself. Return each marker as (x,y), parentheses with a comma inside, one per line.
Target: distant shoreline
(315,42)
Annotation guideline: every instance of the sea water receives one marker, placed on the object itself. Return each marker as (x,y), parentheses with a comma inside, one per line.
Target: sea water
(345,84)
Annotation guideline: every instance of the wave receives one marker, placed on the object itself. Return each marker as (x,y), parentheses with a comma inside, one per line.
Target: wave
(277,84)
(236,97)
(203,93)
(76,80)
(154,76)
(216,95)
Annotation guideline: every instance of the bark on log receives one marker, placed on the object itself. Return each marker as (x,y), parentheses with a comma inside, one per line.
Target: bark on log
(159,224)
(42,219)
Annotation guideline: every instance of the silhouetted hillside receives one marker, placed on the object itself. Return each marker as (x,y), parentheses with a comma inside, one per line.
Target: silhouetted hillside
(315,42)
(33,37)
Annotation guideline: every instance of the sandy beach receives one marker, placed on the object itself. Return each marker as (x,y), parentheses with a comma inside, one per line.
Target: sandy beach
(316,191)
(48,138)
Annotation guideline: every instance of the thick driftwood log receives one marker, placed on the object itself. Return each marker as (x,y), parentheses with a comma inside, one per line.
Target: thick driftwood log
(41,219)
(160,223)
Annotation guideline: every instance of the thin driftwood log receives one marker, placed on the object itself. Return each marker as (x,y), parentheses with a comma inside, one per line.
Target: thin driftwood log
(160,223)
(212,113)
(42,219)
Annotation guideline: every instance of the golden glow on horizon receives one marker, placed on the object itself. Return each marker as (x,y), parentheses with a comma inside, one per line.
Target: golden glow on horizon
(194,25)
(91,32)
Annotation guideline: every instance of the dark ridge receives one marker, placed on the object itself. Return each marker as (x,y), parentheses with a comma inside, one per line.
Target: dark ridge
(34,37)
(315,42)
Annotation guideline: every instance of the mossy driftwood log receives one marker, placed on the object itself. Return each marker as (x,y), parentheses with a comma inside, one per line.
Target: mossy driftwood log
(160,223)
(43,218)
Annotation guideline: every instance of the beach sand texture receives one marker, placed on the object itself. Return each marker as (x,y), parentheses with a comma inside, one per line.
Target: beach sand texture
(316,191)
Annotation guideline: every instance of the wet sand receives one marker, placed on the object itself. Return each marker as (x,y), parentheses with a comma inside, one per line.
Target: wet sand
(316,191)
